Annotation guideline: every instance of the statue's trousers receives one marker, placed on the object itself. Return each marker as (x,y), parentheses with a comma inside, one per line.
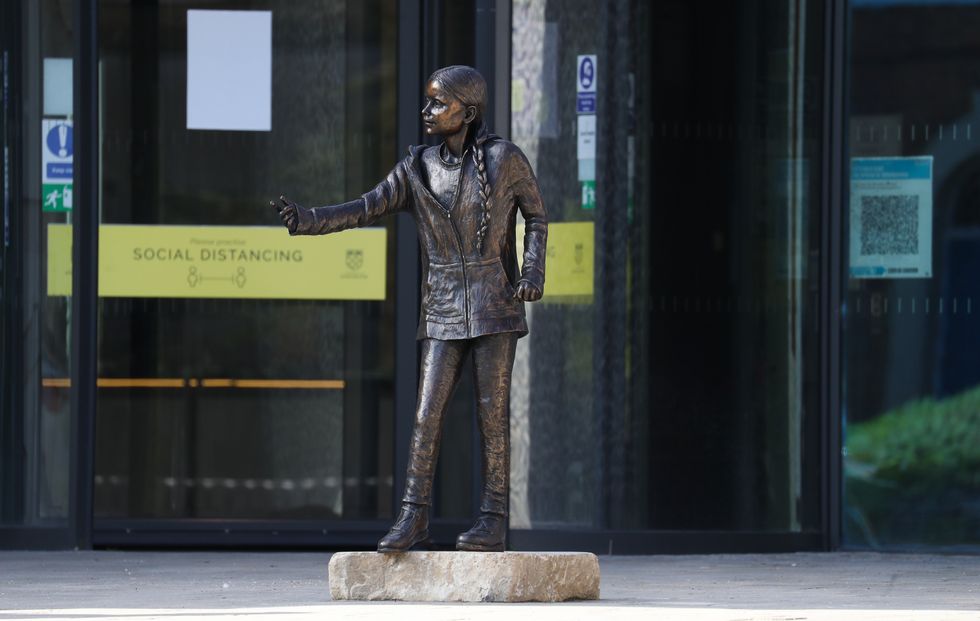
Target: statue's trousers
(442,363)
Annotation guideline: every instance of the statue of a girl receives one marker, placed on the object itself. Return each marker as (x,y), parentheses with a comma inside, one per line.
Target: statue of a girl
(464,196)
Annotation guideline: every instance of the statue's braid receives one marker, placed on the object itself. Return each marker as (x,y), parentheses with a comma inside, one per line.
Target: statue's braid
(481,172)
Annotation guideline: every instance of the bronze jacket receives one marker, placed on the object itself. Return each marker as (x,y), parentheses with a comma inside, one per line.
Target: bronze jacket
(465,293)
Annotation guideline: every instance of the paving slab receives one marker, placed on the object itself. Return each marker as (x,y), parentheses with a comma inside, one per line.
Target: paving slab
(179,586)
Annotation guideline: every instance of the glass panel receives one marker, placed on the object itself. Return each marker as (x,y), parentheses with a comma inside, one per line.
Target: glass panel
(670,378)
(34,455)
(555,457)
(912,365)
(249,405)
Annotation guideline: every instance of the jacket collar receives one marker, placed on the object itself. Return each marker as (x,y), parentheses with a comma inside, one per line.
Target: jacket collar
(415,151)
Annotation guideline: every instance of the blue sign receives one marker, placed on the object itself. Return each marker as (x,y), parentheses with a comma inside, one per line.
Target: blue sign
(868,272)
(60,141)
(585,103)
(60,144)
(59,171)
(586,74)
(893,168)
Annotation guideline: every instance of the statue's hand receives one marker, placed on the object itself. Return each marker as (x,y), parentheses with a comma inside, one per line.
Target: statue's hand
(292,215)
(527,292)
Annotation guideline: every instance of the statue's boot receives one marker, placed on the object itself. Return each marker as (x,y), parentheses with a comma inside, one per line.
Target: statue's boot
(489,534)
(411,527)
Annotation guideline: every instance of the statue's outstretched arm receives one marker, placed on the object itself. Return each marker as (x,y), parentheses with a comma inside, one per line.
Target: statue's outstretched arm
(393,194)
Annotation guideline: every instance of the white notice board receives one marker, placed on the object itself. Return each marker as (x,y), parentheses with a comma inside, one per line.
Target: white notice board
(229,70)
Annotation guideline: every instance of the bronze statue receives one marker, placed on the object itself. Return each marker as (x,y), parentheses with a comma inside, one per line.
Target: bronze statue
(464,196)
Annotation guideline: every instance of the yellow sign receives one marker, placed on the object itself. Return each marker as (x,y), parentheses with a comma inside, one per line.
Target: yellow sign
(59,259)
(569,268)
(137,261)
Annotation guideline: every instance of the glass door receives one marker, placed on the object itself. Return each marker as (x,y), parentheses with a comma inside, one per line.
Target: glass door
(35,413)
(244,376)
(670,380)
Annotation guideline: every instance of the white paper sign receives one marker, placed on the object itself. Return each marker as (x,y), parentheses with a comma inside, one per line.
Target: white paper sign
(891,217)
(229,70)
(57,87)
(586,137)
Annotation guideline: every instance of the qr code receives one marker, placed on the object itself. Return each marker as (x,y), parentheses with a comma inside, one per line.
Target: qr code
(890,224)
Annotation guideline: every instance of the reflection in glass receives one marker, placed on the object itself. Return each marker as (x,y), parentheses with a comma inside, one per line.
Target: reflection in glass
(681,392)
(912,365)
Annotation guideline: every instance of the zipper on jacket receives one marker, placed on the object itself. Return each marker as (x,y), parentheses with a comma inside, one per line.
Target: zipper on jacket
(459,246)
(466,284)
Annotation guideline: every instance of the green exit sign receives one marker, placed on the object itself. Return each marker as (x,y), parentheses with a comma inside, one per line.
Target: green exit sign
(588,194)
(56,197)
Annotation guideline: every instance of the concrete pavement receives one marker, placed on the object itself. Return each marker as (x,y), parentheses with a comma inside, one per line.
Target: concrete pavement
(281,585)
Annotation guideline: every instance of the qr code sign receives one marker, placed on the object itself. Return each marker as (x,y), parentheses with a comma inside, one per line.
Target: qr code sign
(890,224)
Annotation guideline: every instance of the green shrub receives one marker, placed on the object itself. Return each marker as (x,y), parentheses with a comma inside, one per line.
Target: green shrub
(912,475)
(922,443)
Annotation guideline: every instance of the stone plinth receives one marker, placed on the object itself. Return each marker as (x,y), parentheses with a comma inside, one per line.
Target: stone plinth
(464,576)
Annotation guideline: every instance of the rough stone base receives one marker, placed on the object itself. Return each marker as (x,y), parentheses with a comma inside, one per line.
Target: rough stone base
(464,576)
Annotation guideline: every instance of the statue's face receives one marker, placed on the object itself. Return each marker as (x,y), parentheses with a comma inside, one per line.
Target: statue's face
(443,114)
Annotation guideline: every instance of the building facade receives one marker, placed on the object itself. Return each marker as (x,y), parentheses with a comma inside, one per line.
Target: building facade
(760,325)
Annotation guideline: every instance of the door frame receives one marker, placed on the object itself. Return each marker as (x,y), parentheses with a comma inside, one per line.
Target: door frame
(76,530)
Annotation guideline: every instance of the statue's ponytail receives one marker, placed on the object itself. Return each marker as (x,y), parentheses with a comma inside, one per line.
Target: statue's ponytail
(481,173)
